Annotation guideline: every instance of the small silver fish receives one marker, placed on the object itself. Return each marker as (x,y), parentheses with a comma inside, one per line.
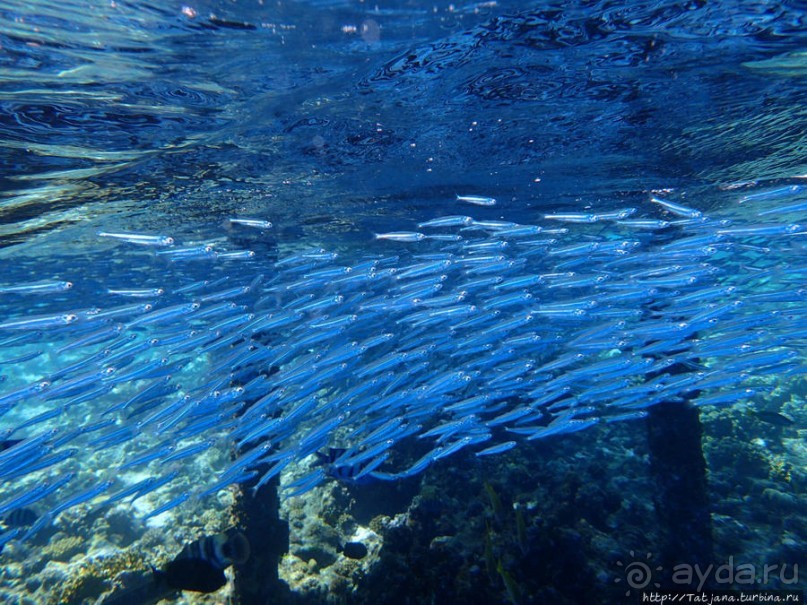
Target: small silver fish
(401,236)
(38,288)
(677,209)
(572,217)
(447,221)
(139,238)
(236,255)
(138,293)
(251,222)
(477,200)
(36,322)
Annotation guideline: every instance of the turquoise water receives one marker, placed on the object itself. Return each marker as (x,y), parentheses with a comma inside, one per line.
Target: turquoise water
(219,277)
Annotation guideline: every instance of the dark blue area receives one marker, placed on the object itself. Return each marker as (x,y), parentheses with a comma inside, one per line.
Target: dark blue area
(337,105)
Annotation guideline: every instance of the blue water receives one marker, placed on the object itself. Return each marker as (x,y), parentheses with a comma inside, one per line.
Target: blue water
(342,123)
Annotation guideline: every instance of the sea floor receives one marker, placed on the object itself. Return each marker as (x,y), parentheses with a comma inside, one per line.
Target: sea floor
(556,521)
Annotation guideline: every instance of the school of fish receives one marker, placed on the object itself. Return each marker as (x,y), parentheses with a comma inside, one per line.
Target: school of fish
(459,334)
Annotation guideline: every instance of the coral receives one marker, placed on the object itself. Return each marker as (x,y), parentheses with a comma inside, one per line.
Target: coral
(12,597)
(780,469)
(735,463)
(120,523)
(79,587)
(781,501)
(95,576)
(64,548)
(319,542)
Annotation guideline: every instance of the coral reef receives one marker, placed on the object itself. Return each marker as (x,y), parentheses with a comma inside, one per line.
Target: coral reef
(63,548)
(94,576)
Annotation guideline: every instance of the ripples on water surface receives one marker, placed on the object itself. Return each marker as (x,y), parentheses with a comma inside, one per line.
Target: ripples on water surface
(347,111)
(337,120)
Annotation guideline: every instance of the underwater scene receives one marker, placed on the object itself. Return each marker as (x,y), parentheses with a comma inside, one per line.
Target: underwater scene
(346,302)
